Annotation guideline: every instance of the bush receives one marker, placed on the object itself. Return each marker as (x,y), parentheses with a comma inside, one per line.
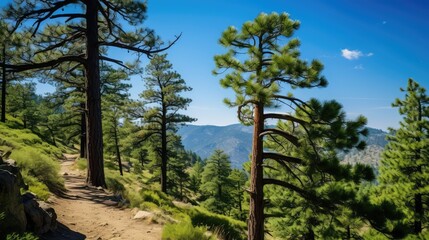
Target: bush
(35,186)
(115,186)
(24,236)
(224,226)
(184,231)
(157,197)
(39,166)
(81,163)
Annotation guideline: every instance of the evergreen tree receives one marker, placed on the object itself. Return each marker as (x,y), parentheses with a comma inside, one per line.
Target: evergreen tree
(215,181)
(23,103)
(115,106)
(404,174)
(256,77)
(97,23)
(237,179)
(163,102)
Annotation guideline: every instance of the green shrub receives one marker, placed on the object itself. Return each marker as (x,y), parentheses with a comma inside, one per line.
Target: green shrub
(184,231)
(39,166)
(81,163)
(35,186)
(157,197)
(24,236)
(149,206)
(224,226)
(115,185)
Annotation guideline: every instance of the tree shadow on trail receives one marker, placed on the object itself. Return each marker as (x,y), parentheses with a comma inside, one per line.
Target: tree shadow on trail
(78,190)
(63,233)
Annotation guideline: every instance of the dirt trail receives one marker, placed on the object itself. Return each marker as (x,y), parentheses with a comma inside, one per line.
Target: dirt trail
(86,213)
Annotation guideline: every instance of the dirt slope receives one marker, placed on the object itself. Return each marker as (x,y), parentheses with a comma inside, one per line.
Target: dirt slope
(86,213)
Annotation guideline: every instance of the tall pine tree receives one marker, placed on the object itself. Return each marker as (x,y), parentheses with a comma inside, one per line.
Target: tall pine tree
(404,172)
(163,104)
(98,24)
(272,58)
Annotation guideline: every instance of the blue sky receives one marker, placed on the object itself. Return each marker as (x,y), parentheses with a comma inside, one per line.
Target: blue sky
(369,49)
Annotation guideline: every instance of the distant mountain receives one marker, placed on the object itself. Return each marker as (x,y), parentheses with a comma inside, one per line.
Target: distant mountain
(236,141)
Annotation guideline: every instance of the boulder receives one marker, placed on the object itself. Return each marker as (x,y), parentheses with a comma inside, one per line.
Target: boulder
(41,218)
(13,216)
(143,215)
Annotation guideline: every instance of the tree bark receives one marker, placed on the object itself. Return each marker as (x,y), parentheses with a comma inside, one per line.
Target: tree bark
(118,153)
(3,87)
(256,213)
(94,138)
(164,150)
(83,131)
(418,212)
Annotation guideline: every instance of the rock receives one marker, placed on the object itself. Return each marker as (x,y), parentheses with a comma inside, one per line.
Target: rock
(40,216)
(13,218)
(143,215)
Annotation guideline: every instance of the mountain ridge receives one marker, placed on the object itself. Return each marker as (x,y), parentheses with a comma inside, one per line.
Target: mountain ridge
(236,141)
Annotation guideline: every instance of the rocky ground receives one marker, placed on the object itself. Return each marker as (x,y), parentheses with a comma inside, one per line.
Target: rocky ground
(89,213)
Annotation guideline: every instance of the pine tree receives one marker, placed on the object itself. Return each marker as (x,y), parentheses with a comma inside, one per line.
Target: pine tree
(215,181)
(163,102)
(404,174)
(98,24)
(23,103)
(237,179)
(256,77)
(115,104)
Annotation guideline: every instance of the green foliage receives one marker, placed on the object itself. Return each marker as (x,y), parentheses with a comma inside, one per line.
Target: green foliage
(309,192)
(184,231)
(161,110)
(81,163)
(225,227)
(22,103)
(36,158)
(404,175)
(215,182)
(156,197)
(36,186)
(39,166)
(24,236)
(272,58)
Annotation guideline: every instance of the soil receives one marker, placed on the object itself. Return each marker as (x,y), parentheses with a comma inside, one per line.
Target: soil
(90,213)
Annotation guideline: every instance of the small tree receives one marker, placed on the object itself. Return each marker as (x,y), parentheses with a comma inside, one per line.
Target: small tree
(215,182)
(163,102)
(404,173)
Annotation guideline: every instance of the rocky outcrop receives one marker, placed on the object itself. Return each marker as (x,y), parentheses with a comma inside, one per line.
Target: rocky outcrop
(20,213)
(11,207)
(41,218)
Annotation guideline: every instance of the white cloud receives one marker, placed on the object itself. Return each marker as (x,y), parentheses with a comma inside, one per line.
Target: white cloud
(351,54)
(354,54)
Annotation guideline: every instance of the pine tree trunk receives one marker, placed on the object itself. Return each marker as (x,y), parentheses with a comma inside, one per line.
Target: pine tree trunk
(239,197)
(256,213)
(82,131)
(164,150)
(94,138)
(310,234)
(118,153)
(3,87)
(418,212)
